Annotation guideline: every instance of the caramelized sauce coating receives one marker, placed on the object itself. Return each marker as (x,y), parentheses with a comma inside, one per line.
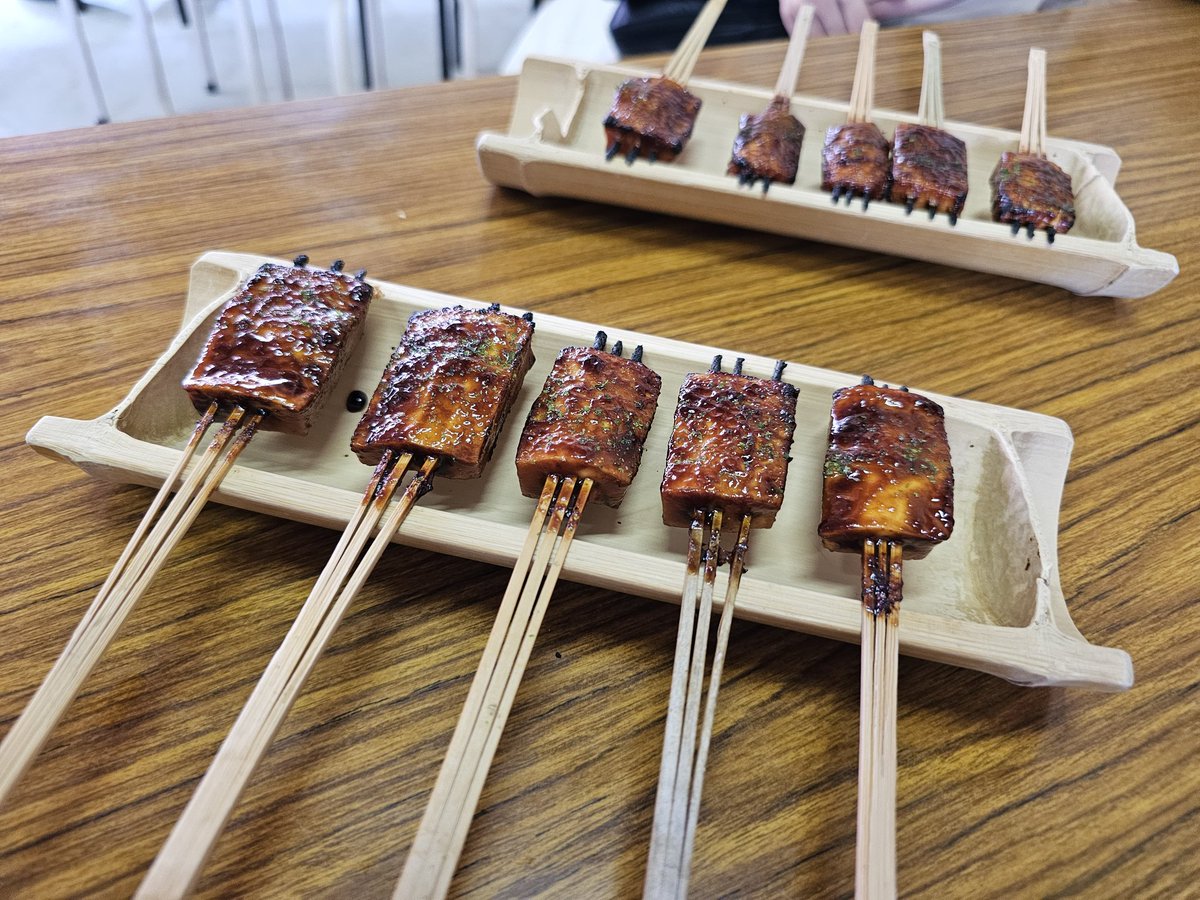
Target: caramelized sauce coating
(729,448)
(447,389)
(887,471)
(280,342)
(590,421)
(767,146)
(855,159)
(652,117)
(929,169)
(1031,190)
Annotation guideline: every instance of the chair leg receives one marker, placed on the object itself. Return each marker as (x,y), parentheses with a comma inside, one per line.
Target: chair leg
(285,71)
(251,56)
(196,14)
(142,14)
(69,10)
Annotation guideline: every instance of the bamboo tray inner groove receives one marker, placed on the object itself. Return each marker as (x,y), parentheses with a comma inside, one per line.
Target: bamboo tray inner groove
(555,146)
(987,599)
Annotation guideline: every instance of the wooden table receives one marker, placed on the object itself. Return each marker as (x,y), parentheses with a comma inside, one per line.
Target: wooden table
(1003,790)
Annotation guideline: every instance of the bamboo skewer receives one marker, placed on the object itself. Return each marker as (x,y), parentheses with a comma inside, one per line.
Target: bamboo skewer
(862,94)
(789,75)
(179,862)
(681,776)
(931,111)
(875,857)
(1033,125)
(680,66)
(443,830)
(158,533)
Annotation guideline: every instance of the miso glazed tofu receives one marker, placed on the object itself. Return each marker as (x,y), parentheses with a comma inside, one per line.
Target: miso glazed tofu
(448,388)
(887,471)
(729,448)
(590,421)
(280,342)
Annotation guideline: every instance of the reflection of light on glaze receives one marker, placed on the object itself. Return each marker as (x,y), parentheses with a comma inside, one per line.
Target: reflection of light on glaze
(280,342)
(447,389)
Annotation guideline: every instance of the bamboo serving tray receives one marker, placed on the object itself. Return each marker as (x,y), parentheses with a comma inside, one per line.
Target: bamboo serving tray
(555,146)
(988,599)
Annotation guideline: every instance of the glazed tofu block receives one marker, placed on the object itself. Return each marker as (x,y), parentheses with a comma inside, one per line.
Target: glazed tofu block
(887,471)
(1030,190)
(280,343)
(729,448)
(590,421)
(652,117)
(448,388)
(856,160)
(929,170)
(767,145)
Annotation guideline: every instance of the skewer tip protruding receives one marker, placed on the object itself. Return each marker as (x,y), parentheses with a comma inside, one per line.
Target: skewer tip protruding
(601,341)
(737,365)
(867,379)
(337,265)
(636,355)
(618,348)
(360,274)
(528,317)
(777,375)
(493,307)
(716,364)
(300,261)
(611,151)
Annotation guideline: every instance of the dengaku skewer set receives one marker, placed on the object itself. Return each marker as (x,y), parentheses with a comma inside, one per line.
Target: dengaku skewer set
(580,441)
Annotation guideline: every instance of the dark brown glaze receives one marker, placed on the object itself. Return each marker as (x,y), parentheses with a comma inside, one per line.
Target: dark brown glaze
(1031,190)
(729,448)
(855,160)
(590,421)
(929,169)
(447,389)
(767,146)
(887,471)
(280,342)
(652,117)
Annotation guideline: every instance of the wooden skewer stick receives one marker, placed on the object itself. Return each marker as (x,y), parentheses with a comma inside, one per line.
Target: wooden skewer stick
(181,859)
(862,95)
(680,66)
(160,530)
(882,585)
(931,111)
(789,75)
(1033,126)
(442,833)
(681,778)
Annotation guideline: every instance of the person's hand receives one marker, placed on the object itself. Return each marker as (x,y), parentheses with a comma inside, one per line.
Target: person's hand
(847,16)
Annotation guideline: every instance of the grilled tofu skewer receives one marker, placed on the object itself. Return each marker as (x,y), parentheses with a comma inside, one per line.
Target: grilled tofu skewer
(726,464)
(277,345)
(439,406)
(1028,190)
(583,438)
(888,490)
(654,117)
(767,146)
(929,165)
(855,158)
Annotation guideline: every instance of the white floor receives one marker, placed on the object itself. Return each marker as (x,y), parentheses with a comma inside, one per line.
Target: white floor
(43,86)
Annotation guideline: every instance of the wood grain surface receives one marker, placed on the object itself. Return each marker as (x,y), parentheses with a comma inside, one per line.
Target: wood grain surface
(1003,791)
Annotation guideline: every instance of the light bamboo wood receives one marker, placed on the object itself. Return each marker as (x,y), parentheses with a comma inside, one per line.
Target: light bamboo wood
(158,533)
(862,93)
(932,110)
(875,855)
(683,62)
(949,617)
(443,831)
(996,778)
(686,738)
(1033,126)
(789,75)
(179,863)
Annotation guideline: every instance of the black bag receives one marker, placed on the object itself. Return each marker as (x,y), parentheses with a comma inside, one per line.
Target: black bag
(657,26)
